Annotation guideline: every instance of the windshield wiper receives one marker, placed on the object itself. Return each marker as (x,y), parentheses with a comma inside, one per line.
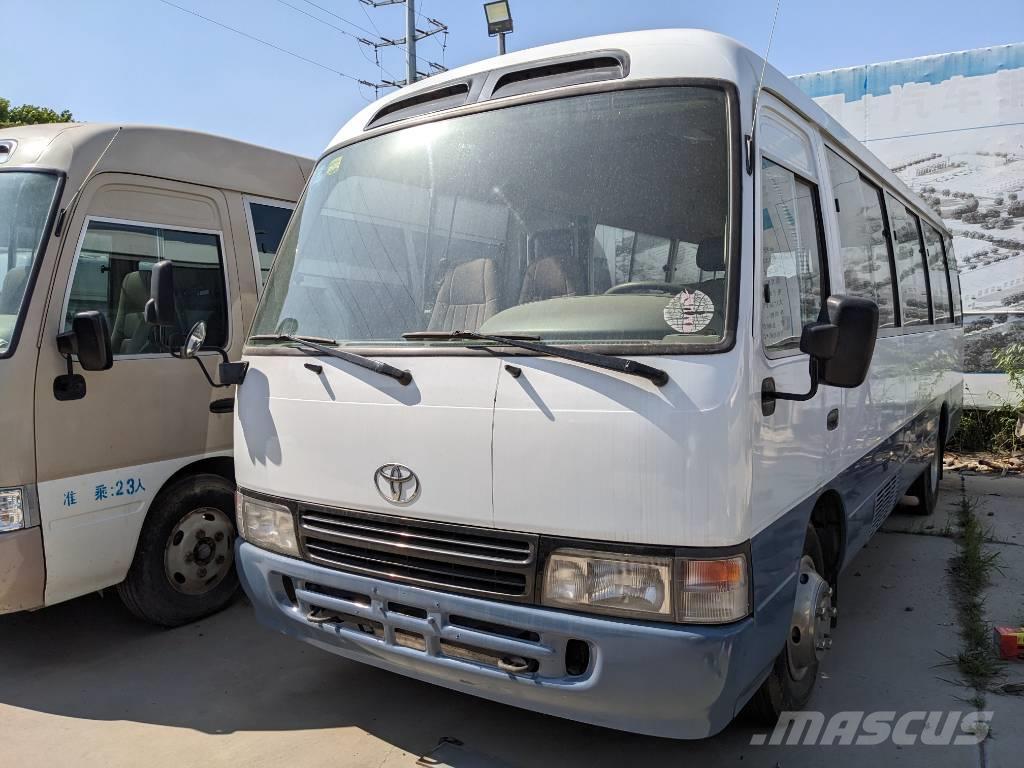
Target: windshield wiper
(531,343)
(316,342)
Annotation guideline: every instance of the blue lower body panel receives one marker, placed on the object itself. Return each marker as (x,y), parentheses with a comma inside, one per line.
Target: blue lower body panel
(658,679)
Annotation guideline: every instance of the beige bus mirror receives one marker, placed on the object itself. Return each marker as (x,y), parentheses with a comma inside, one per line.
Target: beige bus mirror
(195,340)
(159,309)
(230,373)
(839,350)
(89,339)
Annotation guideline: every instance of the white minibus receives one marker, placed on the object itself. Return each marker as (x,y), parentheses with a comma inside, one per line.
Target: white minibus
(115,467)
(571,391)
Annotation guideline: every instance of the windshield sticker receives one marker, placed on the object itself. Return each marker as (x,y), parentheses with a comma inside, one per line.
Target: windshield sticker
(333,166)
(689,311)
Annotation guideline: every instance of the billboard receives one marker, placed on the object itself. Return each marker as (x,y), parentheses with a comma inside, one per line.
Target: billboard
(952,128)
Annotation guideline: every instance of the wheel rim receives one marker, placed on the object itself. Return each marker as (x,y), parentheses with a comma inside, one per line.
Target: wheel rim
(813,612)
(199,551)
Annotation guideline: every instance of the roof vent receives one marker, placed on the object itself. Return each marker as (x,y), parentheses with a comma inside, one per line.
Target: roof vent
(558,73)
(6,150)
(447,97)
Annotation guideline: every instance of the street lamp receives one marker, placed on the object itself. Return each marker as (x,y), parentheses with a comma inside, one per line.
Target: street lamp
(499,22)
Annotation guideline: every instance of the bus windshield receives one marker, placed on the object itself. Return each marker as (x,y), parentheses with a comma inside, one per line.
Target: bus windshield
(591,219)
(25,201)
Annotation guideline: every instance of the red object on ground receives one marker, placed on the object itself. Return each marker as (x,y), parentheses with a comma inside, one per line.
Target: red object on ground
(1010,642)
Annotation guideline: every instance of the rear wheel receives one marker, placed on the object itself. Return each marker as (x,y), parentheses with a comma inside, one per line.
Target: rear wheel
(184,563)
(790,683)
(926,488)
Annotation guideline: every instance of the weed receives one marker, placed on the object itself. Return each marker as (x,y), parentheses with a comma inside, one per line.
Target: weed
(971,570)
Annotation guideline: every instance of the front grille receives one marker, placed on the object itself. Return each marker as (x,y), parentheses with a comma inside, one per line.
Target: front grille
(443,556)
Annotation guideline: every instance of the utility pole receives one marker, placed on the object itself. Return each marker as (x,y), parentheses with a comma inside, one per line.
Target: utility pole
(407,43)
(410,41)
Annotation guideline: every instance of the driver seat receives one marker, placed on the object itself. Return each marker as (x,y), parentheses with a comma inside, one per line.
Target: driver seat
(131,335)
(551,273)
(12,290)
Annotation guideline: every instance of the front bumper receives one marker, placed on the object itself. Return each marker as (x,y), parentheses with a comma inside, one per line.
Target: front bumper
(658,679)
(22,570)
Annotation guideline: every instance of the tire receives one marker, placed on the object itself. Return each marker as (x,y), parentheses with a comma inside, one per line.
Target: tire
(183,568)
(926,487)
(781,691)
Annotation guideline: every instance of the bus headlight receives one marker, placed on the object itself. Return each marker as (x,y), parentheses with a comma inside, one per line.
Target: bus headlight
(12,509)
(267,525)
(682,589)
(602,582)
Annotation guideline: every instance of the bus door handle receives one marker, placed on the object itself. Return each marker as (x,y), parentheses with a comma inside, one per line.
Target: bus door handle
(224,405)
(832,420)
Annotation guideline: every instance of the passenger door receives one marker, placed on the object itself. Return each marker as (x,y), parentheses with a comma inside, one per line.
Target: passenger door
(794,443)
(102,458)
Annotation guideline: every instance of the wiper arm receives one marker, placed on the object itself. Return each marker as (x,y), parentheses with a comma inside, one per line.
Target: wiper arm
(315,342)
(523,341)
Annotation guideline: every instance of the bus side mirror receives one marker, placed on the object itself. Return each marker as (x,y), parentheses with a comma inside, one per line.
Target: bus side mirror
(840,350)
(856,322)
(160,307)
(89,339)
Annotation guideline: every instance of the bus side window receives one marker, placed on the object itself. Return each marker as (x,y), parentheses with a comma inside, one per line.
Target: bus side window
(268,223)
(794,284)
(954,281)
(906,239)
(864,252)
(939,276)
(112,274)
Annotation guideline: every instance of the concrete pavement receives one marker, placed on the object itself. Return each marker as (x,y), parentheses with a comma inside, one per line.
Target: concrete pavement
(85,684)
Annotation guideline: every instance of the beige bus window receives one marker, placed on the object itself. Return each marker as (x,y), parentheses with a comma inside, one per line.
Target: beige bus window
(793,285)
(268,223)
(112,275)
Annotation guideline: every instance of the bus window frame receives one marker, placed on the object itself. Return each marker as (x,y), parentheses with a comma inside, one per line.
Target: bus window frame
(735,190)
(223,265)
(44,243)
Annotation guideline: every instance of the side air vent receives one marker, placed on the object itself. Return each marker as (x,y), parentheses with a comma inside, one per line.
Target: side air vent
(447,97)
(557,73)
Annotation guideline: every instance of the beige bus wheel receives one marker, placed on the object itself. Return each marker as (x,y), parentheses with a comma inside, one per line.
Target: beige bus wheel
(184,563)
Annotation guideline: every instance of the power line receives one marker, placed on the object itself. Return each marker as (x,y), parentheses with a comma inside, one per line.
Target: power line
(413,34)
(267,43)
(337,29)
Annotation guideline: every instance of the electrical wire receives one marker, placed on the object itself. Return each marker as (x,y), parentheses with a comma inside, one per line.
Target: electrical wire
(261,41)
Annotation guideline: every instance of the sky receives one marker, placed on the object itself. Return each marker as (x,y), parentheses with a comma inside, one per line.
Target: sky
(143,61)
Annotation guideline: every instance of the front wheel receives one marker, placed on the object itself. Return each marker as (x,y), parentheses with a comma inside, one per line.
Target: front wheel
(184,566)
(789,685)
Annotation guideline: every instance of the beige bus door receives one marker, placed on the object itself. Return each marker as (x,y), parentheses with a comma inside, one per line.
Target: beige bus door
(102,458)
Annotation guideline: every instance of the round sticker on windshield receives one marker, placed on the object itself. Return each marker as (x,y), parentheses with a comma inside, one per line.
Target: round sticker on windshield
(689,311)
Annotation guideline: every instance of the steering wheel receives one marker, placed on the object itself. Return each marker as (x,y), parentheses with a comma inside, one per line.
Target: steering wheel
(642,286)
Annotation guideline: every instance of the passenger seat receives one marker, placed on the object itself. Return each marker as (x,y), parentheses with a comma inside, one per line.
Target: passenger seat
(467,297)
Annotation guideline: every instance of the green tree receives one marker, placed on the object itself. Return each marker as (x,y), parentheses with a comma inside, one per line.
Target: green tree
(30,114)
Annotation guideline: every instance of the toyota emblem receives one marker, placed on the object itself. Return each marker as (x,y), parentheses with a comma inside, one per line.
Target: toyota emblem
(397,484)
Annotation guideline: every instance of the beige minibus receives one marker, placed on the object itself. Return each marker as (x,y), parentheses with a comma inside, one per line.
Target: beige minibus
(115,462)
